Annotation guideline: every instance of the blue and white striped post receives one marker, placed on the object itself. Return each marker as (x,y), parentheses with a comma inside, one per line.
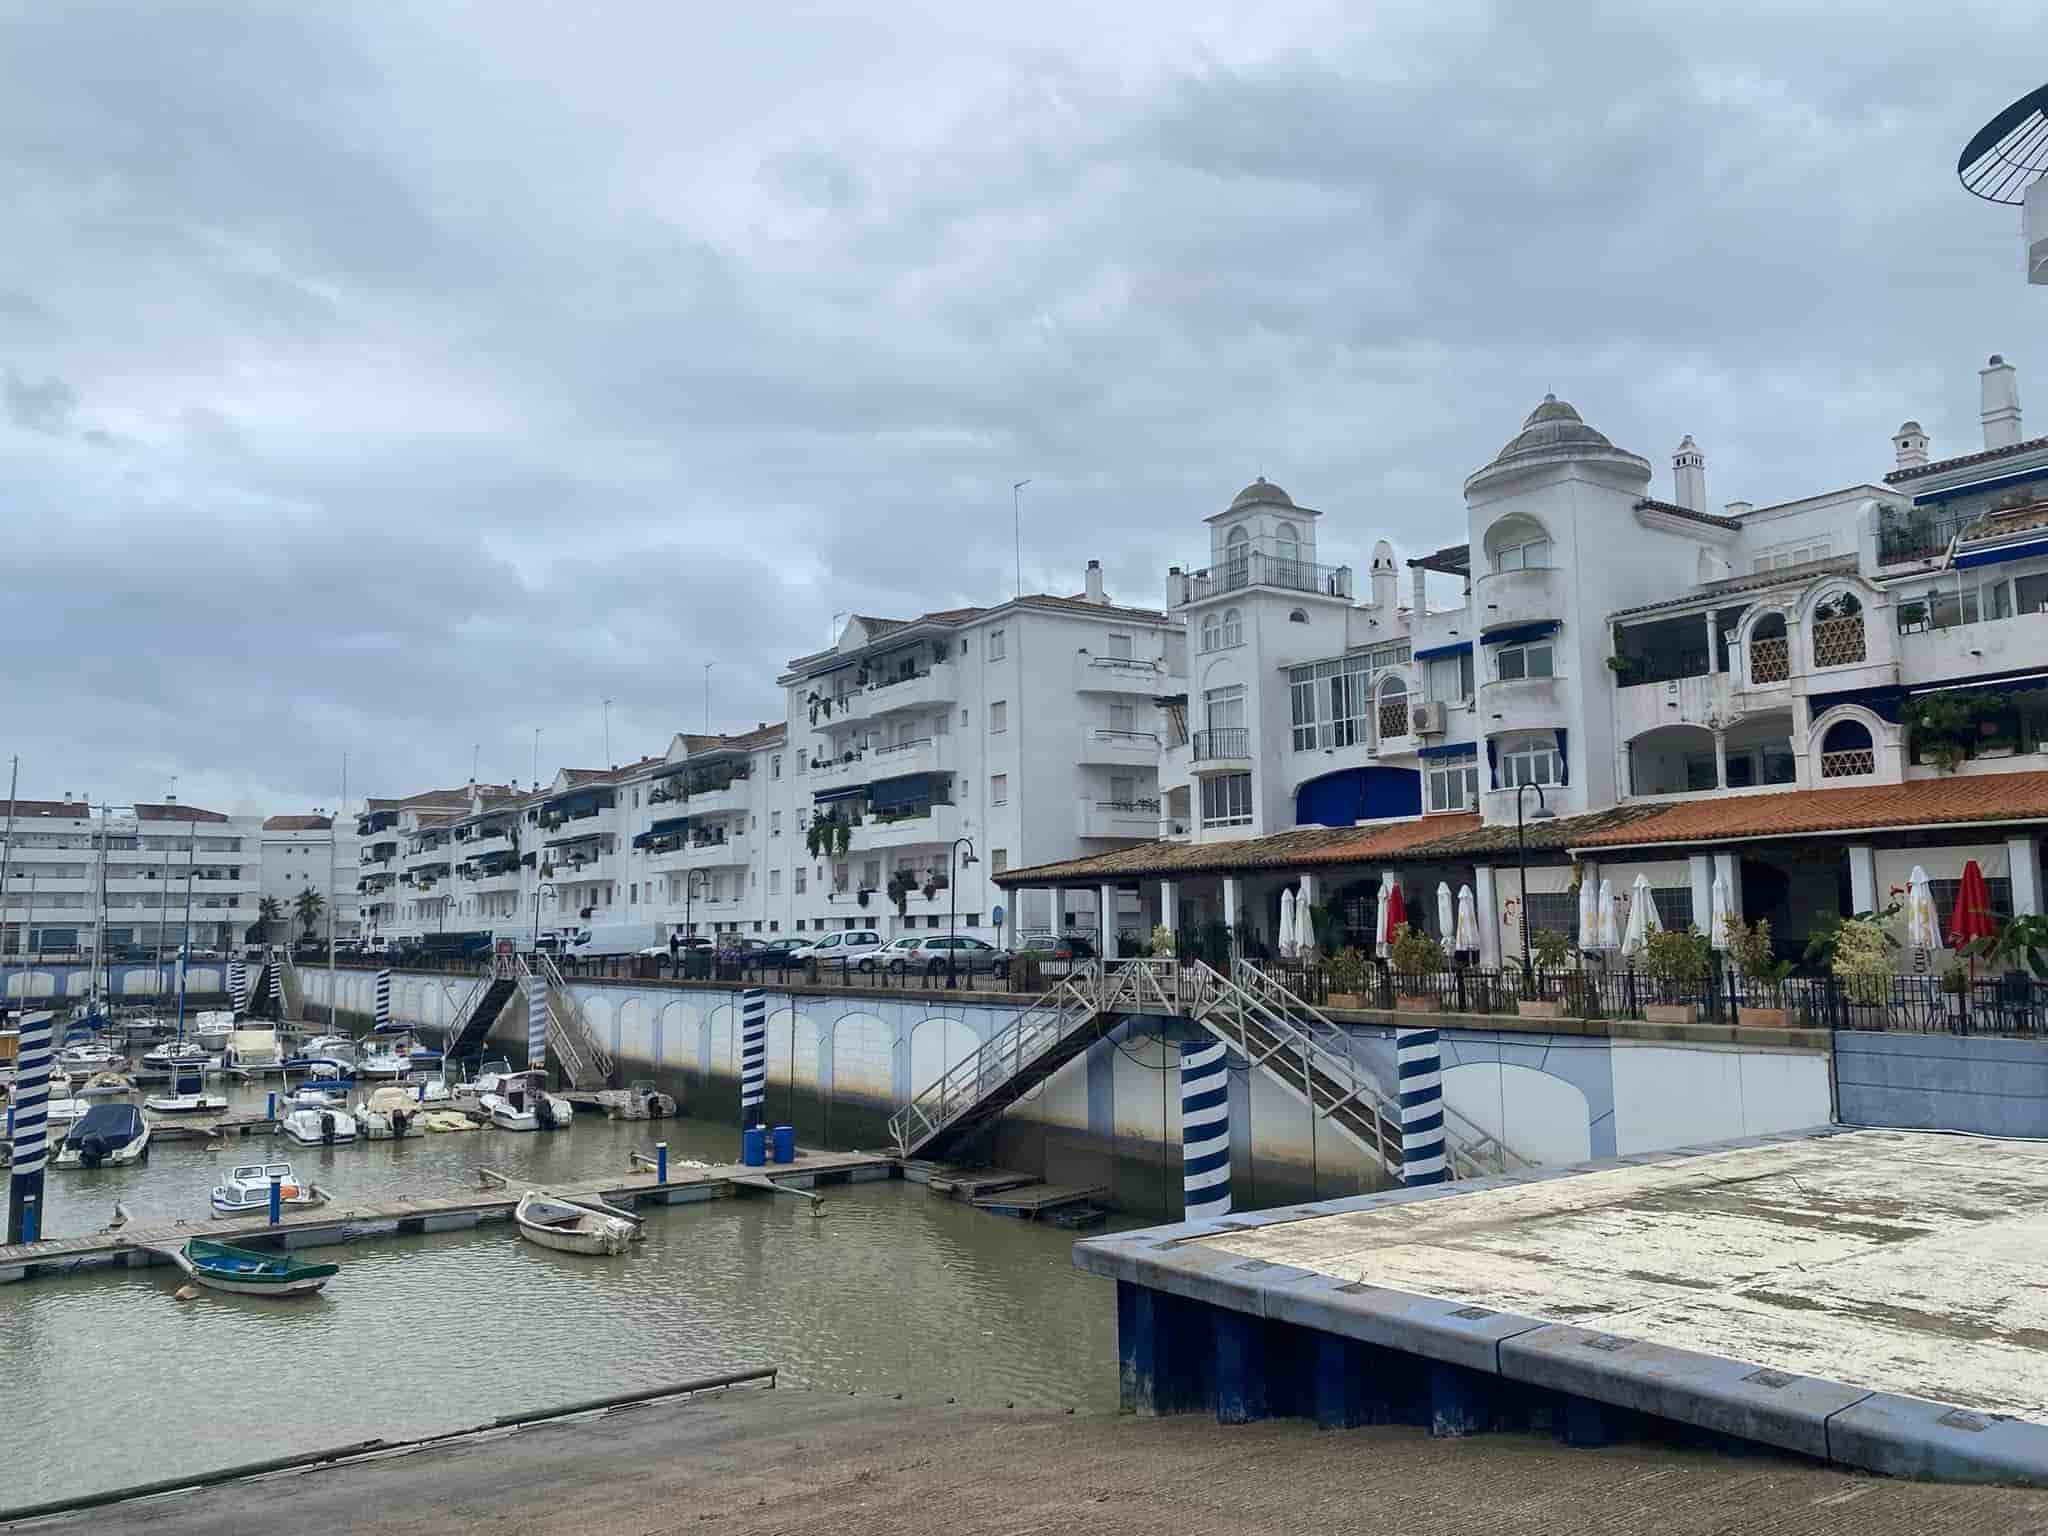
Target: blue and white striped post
(537,1023)
(1422,1106)
(277,985)
(1204,1131)
(753,1056)
(383,998)
(30,1126)
(276,1197)
(238,986)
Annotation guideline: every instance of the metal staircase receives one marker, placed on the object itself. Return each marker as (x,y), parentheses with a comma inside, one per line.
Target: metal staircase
(480,1009)
(1306,1055)
(294,995)
(582,1055)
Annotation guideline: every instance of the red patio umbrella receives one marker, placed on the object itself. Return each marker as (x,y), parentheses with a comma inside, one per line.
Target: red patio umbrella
(1397,912)
(1971,918)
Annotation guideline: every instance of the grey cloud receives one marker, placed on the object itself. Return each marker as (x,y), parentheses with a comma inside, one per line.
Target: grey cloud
(44,407)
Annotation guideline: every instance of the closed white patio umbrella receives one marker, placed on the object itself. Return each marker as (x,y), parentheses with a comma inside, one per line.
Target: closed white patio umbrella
(1304,923)
(1589,916)
(1286,934)
(1923,923)
(1642,919)
(1719,932)
(1610,924)
(1380,937)
(1468,921)
(1446,914)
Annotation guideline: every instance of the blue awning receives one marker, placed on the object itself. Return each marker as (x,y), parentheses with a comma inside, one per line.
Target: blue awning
(896,794)
(668,826)
(1451,749)
(2002,553)
(1431,652)
(1515,634)
(850,792)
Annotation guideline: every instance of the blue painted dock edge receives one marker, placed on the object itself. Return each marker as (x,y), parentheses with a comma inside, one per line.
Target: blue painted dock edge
(1204,1331)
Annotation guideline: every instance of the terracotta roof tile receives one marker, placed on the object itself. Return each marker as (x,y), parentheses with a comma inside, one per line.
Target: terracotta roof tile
(1990,797)
(1672,509)
(63,810)
(176,813)
(297,823)
(1919,470)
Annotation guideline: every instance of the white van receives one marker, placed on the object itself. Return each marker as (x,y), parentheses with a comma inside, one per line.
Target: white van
(848,949)
(604,940)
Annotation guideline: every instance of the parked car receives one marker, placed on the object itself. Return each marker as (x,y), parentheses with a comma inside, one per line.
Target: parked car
(893,952)
(935,953)
(1074,946)
(847,949)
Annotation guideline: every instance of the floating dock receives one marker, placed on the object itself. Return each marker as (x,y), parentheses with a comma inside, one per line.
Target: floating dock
(331,1224)
(1871,1298)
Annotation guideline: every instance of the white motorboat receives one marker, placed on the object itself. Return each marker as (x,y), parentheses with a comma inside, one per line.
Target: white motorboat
(434,1090)
(569,1228)
(105,1085)
(391,1113)
(175,1053)
(213,1029)
(138,1027)
(337,1048)
(252,1052)
(91,1057)
(319,1127)
(65,1111)
(105,1136)
(493,1079)
(313,1096)
(523,1105)
(185,1104)
(384,1062)
(246,1189)
(640,1100)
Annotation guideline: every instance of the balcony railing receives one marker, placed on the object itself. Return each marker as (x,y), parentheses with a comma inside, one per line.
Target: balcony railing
(1853,764)
(1838,642)
(1260,569)
(1920,533)
(1661,667)
(904,746)
(1142,806)
(1226,741)
(1770,660)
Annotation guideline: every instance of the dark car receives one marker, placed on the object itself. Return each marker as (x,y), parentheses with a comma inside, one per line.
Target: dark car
(1074,946)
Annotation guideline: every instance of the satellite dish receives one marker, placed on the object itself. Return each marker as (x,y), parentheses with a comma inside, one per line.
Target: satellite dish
(2007,162)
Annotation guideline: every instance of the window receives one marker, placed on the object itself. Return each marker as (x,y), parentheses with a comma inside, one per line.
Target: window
(803,758)
(803,820)
(1998,888)
(1225,707)
(998,860)
(1119,646)
(774,925)
(996,649)
(871,873)
(1233,627)
(1519,661)
(1846,751)
(753,881)
(998,717)
(1529,760)
(775,823)
(1212,632)
(1123,789)
(963,717)
(1297,616)
(1227,800)
(802,882)
(839,879)
(775,765)
(1448,679)
(999,789)
(1525,555)
(1393,711)
(632,893)
(1454,786)
(1555,912)
(1123,718)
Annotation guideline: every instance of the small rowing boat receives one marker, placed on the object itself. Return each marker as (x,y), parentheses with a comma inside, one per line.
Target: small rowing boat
(245,1272)
(566,1227)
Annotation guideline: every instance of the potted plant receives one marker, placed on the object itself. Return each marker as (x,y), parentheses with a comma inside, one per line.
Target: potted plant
(1164,946)
(1348,970)
(842,837)
(901,884)
(1416,955)
(1859,951)
(1551,953)
(1757,963)
(1675,959)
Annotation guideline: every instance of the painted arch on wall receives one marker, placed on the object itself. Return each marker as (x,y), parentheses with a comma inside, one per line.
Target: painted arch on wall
(937,1045)
(1548,1119)
(864,1058)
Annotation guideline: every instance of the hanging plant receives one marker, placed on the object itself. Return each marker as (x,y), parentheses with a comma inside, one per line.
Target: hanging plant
(842,837)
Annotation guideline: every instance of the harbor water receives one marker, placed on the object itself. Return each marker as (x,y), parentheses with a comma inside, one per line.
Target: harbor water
(112,1381)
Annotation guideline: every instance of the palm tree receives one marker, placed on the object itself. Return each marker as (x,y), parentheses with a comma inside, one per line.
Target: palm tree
(268,911)
(309,906)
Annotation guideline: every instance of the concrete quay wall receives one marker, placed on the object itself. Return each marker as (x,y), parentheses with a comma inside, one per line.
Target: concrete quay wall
(1942,1082)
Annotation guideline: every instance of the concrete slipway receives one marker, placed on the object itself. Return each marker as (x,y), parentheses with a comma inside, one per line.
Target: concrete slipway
(1875,1298)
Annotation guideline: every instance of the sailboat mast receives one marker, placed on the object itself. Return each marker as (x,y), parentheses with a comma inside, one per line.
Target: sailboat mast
(185,947)
(6,869)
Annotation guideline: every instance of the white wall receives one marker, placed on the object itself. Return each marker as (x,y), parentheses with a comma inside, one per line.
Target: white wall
(1673,1096)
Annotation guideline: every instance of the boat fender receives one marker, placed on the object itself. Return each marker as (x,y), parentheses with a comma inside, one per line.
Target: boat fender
(327,1127)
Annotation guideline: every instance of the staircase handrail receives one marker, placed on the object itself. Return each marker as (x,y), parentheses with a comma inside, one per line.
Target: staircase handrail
(460,1016)
(574,1023)
(1479,1149)
(996,1060)
(572,1041)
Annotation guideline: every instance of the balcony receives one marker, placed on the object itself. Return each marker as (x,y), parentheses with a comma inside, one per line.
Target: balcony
(853,768)
(1135,818)
(934,688)
(1259,567)
(904,758)
(701,853)
(1521,703)
(1919,533)
(1119,675)
(482,840)
(486,885)
(1227,749)
(1520,597)
(1119,749)
(931,824)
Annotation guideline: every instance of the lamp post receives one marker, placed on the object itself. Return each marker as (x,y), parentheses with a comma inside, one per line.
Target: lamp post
(1542,813)
(955,862)
(690,878)
(544,888)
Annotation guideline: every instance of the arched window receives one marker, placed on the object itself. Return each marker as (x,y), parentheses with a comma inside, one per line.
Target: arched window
(1296,616)
(1211,630)
(1847,752)
(1529,758)
(1287,549)
(1770,657)
(1838,631)
(1393,710)
(1233,627)
(1518,544)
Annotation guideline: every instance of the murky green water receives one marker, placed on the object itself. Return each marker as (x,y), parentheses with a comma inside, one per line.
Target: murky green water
(111,1381)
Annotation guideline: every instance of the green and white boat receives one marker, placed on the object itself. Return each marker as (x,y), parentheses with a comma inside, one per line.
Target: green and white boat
(221,1267)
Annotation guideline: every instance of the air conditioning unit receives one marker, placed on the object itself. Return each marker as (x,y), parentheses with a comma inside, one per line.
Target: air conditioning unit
(1428,719)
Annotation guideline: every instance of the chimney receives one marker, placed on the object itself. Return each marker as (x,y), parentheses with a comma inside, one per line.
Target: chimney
(1689,476)
(2001,396)
(1738,508)
(1911,442)
(1095,582)
(1386,582)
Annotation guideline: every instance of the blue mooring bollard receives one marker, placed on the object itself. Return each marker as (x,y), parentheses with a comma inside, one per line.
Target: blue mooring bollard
(31,1219)
(661,1162)
(276,1198)
(270,1112)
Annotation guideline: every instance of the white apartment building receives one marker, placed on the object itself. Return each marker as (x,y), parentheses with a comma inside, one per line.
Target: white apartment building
(144,876)
(917,758)
(305,852)
(1659,675)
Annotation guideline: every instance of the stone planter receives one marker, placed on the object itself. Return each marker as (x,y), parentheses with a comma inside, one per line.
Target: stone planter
(1416,1005)
(1348,1000)
(1763,1018)
(1672,1013)
(1549,1008)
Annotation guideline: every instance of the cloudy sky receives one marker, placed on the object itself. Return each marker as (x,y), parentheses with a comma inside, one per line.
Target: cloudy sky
(400,379)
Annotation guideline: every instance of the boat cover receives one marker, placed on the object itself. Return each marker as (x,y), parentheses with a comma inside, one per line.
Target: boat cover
(105,1129)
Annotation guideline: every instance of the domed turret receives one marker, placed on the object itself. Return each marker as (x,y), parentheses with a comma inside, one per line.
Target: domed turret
(1552,432)
(1261,492)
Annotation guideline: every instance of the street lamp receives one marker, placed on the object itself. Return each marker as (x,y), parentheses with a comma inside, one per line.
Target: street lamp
(955,862)
(690,879)
(544,888)
(1541,813)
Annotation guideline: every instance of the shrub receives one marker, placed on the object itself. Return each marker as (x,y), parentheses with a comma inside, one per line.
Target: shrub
(1162,942)
(1863,959)
(1348,970)
(1749,945)
(1677,955)
(1415,953)
(1552,949)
